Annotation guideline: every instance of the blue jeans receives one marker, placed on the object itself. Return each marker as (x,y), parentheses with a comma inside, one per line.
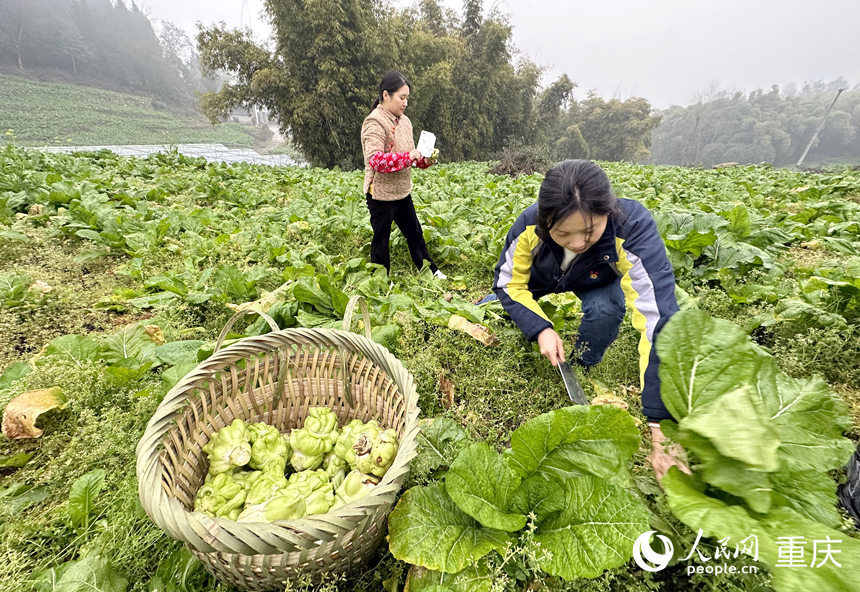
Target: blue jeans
(602,312)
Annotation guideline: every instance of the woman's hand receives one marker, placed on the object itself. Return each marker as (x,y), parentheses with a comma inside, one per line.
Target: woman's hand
(414,155)
(665,454)
(551,346)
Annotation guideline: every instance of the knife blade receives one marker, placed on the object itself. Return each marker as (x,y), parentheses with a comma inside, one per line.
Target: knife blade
(571,384)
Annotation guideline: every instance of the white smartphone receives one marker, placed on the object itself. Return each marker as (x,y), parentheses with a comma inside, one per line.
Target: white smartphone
(426,143)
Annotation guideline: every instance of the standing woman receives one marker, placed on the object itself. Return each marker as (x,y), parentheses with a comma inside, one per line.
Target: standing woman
(389,155)
(580,238)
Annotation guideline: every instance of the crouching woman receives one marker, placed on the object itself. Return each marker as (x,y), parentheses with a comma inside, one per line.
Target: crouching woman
(579,237)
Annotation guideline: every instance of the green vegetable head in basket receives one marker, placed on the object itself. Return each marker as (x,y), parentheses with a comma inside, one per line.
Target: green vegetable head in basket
(221,496)
(355,486)
(270,449)
(350,435)
(314,440)
(287,506)
(230,447)
(374,456)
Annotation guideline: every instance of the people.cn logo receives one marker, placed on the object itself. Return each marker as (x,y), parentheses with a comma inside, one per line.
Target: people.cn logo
(648,559)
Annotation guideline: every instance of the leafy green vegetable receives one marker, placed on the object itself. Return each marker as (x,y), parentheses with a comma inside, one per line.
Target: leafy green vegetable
(427,528)
(583,440)
(720,519)
(482,485)
(13,372)
(440,440)
(562,469)
(753,430)
(93,573)
(762,443)
(18,497)
(475,578)
(594,530)
(78,348)
(15,460)
(84,490)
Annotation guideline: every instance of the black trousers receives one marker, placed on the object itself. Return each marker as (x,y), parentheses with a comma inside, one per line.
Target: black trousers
(402,213)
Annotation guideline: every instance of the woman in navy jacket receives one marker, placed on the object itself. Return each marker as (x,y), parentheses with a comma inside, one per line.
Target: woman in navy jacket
(580,238)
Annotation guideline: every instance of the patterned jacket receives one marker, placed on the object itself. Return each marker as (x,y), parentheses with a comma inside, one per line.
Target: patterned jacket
(386,141)
(630,249)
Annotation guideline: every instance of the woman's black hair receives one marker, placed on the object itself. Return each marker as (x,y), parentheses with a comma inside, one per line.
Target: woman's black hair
(574,186)
(391,81)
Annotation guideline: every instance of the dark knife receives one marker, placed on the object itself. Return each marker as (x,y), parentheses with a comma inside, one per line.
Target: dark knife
(574,389)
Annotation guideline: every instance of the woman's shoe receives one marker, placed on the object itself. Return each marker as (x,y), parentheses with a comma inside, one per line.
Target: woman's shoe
(438,273)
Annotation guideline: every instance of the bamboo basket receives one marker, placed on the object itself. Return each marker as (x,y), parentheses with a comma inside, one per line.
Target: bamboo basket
(276,378)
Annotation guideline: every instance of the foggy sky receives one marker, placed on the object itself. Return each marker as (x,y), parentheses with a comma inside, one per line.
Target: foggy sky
(668,51)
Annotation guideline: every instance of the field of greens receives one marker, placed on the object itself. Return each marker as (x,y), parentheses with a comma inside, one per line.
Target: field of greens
(54,114)
(116,275)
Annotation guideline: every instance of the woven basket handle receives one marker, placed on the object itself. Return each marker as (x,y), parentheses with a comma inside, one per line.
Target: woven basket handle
(347,326)
(282,356)
(236,317)
(350,310)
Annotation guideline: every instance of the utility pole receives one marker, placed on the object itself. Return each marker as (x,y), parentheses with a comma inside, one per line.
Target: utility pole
(815,135)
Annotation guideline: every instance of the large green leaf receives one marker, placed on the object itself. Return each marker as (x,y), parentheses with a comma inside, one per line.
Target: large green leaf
(482,485)
(306,290)
(15,461)
(692,243)
(14,371)
(90,574)
(427,528)
(440,440)
(727,254)
(174,374)
(16,498)
(78,348)
(583,440)
(770,440)
(175,352)
(594,532)
(809,492)
(739,221)
(475,578)
(387,336)
(701,358)
(731,475)
(339,300)
(719,519)
(83,491)
(130,343)
(539,494)
(718,419)
(810,417)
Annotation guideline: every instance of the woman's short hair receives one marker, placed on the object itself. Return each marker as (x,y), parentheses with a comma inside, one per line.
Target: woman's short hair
(574,186)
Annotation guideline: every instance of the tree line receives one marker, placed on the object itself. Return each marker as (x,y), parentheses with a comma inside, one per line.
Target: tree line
(98,42)
(469,86)
(772,126)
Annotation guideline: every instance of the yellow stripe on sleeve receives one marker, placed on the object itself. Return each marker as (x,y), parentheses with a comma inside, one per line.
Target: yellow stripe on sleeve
(518,286)
(630,297)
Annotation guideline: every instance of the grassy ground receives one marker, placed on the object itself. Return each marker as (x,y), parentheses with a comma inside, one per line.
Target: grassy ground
(54,114)
(254,217)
